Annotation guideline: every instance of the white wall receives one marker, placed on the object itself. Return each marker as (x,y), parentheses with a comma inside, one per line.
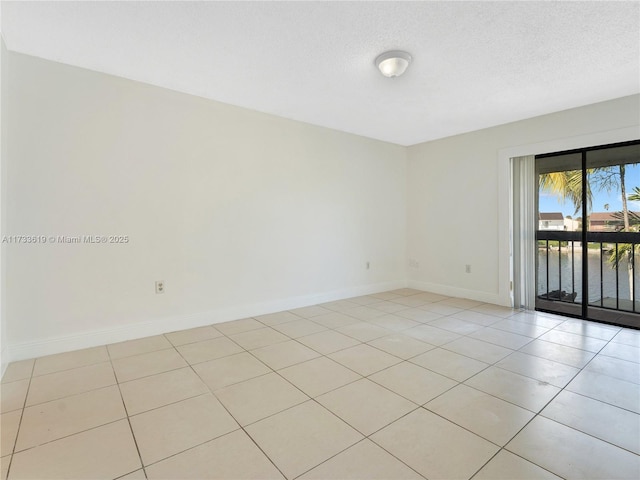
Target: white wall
(3,144)
(458,194)
(240,213)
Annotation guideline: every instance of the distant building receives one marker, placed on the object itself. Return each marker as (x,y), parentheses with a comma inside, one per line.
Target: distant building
(571,225)
(609,221)
(551,221)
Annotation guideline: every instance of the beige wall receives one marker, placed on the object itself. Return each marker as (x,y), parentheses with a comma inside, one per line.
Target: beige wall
(240,213)
(458,194)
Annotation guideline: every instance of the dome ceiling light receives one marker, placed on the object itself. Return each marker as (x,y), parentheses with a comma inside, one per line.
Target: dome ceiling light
(393,63)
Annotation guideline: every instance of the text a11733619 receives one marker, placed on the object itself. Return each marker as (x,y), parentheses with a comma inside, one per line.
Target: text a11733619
(65,239)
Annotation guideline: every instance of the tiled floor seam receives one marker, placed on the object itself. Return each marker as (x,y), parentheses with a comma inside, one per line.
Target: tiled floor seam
(583,369)
(450,378)
(539,414)
(519,456)
(171,346)
(194,446)
(516,373)
(471,431)
(213,392)
(503,447)
(487,393)
(570,346)
(557,361)
(532,419)
(133,471)
(408,399)
(212,325)
(240,426)
(33,375)
(616,358)
(587,433)
(69,435)
(401,360)
(124,405)
(71,395)
(394,456)
(263,452)
(328,391)
(468,335)
(591,398)
(319,404)
(366,437)
(191,448)
(118,382)
(15,440)
(166,404)
(603,401)
(352,446)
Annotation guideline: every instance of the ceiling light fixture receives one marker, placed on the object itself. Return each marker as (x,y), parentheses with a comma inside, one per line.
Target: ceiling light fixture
(393,63)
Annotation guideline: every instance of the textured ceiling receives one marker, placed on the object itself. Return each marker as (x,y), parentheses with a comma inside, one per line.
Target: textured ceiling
(476,64)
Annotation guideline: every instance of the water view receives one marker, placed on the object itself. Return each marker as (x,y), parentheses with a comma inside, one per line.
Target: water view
(566,274)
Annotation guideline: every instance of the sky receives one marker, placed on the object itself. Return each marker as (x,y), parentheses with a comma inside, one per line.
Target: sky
(550,203)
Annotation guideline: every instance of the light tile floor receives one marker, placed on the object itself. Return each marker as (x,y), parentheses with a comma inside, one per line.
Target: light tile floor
(397,385)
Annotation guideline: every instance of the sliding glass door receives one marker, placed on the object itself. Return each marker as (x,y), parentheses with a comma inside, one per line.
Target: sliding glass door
(588,240)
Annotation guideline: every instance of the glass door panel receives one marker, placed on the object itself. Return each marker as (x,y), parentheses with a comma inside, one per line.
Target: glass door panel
(588,234)
(559,205)
(612,233)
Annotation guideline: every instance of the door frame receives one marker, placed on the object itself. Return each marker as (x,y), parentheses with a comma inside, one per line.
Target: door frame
(505,191)
(585,236)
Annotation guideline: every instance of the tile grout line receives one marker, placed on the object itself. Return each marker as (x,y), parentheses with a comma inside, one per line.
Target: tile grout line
(591,398)
(295,339)
(15,441)
(124,405)
(535,415)
(314,399)
(241,427)
(309,399)
(70,435)
(402,360)
(210,392)
(357,443)
(539,414)
(55,399)
(358,431)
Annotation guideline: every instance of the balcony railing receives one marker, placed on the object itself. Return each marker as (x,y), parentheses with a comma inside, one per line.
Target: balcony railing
(612,264)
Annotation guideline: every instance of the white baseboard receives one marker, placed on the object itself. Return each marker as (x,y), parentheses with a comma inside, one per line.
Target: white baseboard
(158,326)
(492,298)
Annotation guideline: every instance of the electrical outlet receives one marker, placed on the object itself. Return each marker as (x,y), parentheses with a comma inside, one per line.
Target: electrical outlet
(413,263)
(160,286)
(467,268)
(368,265)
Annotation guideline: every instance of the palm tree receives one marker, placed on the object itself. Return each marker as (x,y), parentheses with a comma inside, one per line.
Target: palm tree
(623,192)
(635,196)
(566,185)
(610,179)
(626,250)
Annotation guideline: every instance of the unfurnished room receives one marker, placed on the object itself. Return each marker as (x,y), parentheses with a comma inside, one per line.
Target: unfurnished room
(320,240)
